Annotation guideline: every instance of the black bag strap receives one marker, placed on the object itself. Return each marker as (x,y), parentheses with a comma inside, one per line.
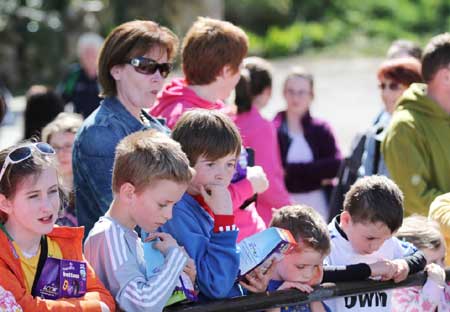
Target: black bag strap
(42,258)
(376,158)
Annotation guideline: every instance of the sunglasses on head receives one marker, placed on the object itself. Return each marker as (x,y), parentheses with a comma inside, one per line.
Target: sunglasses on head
(148,66)
(22,153)
(393,86)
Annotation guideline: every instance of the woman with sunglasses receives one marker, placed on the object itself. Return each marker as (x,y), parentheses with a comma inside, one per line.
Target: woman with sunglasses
(394,77)
(133,63)
(29,207)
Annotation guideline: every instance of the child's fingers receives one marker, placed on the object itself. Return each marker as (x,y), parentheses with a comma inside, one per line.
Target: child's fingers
(249,287)
(271,269)
(204,193)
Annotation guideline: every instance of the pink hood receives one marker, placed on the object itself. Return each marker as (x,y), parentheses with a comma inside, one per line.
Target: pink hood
(176,98)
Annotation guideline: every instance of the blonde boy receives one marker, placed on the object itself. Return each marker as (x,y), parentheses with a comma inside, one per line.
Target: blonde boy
(150,175)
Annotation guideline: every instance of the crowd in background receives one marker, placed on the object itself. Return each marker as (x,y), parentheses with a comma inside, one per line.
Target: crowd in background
(192,163)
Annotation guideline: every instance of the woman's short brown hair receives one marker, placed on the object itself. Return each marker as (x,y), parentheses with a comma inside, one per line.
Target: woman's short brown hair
(130,40)
(210,45)
(405,70)
(148,156)
(207,133)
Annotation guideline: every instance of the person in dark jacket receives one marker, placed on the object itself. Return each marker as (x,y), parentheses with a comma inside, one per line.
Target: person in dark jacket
(80,87)
(308,148)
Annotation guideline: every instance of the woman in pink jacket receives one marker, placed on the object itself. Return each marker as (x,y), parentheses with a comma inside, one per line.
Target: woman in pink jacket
(252,94)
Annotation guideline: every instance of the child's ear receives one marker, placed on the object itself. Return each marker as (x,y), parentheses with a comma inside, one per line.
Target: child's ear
(345,218)
(5,204)
(127,191)
(227,71)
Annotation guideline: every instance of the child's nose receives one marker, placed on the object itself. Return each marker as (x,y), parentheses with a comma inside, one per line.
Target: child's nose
(168,214)
(46,205)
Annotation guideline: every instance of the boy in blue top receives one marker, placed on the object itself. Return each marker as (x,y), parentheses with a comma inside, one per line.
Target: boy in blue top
(203,220)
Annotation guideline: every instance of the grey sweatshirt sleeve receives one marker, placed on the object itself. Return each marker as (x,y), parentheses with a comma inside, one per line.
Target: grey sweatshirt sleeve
(123,273)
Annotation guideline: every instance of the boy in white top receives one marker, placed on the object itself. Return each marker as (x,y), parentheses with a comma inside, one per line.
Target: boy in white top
(373,212)
(150,175)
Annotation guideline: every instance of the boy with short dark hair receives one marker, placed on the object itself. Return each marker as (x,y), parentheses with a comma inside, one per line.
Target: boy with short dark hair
(373,212)
(301,268)
(150,174)
(203,221)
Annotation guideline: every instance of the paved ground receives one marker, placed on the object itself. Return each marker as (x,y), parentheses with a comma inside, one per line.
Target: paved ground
(346,96)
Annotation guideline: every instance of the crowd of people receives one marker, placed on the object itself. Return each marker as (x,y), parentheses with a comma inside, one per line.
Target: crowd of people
(116,158)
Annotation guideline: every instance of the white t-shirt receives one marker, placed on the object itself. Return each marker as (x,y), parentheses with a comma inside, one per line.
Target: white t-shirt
(300,152)
(342,253)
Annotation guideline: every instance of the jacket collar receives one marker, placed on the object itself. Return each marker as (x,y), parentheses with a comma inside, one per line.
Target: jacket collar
(116,107)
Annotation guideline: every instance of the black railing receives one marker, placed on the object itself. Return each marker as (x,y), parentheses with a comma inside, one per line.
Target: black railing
(258,302)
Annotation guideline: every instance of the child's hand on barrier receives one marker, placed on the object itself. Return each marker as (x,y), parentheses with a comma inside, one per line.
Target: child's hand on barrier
(257,280)
(165,242)
(190,270)
(258,179)
(402,270)
(384,269)
(297,285)
(436,273)
(218,199)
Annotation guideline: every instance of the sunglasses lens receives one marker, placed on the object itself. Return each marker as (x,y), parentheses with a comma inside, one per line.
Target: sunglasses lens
(164,69)
(147,69)
(45,148)
(20,154)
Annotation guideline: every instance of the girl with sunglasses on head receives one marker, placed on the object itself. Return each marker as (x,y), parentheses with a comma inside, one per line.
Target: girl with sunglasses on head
(133,63)
(29,207)
(394,77)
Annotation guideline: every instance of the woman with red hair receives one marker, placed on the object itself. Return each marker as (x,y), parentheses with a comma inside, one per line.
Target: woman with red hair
(394,77)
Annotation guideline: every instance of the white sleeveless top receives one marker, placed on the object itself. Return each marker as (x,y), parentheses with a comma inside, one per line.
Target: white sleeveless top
(300,151)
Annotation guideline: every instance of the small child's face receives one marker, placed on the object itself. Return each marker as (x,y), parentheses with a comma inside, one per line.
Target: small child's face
(367,237)
(301,266)
(152,207)
(212,172)
(34,207)
(62,142)
(436,255)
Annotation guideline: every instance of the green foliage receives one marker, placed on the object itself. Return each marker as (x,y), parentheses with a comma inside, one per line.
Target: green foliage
(321,23)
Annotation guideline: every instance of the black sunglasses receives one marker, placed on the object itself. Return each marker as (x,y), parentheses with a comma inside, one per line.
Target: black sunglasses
(393,86)
(148,66)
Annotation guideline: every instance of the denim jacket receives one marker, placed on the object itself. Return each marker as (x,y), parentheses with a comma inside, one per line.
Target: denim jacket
(93,156)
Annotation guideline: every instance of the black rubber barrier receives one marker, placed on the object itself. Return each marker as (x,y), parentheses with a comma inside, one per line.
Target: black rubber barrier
(257,302)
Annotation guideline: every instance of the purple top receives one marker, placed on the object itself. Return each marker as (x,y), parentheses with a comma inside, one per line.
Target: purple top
(305,177)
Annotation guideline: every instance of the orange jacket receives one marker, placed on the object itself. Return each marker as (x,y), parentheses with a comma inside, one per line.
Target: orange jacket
(70,242)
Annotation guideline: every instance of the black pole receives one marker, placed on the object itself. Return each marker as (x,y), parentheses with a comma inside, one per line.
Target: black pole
(257,302)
